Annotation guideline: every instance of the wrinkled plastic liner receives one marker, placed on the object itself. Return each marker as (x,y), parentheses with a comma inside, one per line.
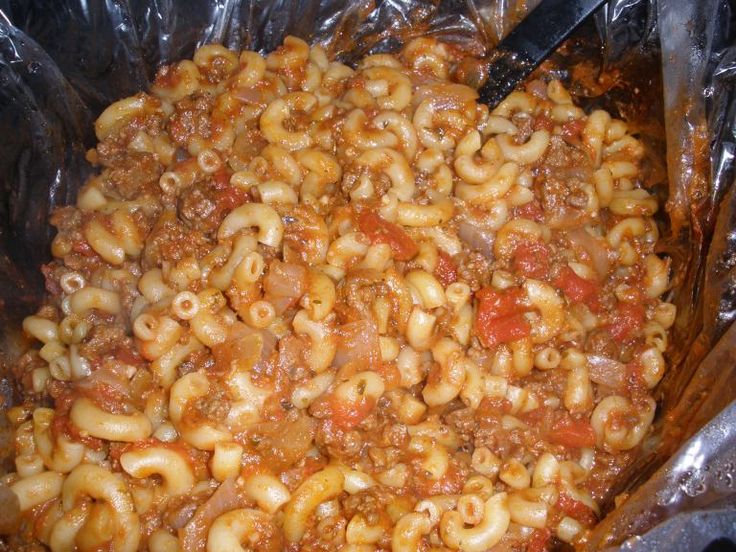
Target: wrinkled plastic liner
(668,67)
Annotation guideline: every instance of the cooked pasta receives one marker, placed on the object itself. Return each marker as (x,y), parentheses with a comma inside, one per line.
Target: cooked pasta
(304,306)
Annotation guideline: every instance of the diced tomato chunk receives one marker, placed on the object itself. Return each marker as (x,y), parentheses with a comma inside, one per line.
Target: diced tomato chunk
(348,415)
(221,179)
(491,407)
(128,356)
(500,316)
(539,540)
(380,230)
(83,248)
(228,198)
(627,321)
(575,509)
(570,432)
(532,211)
(504,330)
(636,385)
(389,373)
(542,122)
(445,271)
(579,289)
(496,304)
(572,130)
(531,259)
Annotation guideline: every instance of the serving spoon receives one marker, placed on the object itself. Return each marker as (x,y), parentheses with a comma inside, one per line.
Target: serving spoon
(530,43)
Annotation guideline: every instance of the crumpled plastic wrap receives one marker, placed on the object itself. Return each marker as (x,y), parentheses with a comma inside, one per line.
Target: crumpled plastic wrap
(63,61)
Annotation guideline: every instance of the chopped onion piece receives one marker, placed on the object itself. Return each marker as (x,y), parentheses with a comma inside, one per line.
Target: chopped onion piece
(607,371)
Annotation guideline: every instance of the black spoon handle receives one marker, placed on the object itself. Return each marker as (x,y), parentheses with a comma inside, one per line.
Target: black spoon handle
(530,43)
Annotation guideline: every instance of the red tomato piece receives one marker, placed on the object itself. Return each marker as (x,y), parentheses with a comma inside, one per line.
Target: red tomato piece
(627,321)
(500,316)
(635,382)
(572,130)
(539,540)
(221,179)
(229,198)
(445,271)
(347,416)
(503,330)
(542,122)
(128,355)
(531,259)
(490,407)
(575,509)
(532,211)
(390,374)
(83,248)
(569,432)
(380,230)
(578,289)
(496,304)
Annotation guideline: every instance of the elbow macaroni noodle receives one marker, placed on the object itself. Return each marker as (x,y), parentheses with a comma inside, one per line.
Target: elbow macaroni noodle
(361,313)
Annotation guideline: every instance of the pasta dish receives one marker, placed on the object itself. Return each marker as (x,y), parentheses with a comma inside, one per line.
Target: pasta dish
(304,306)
